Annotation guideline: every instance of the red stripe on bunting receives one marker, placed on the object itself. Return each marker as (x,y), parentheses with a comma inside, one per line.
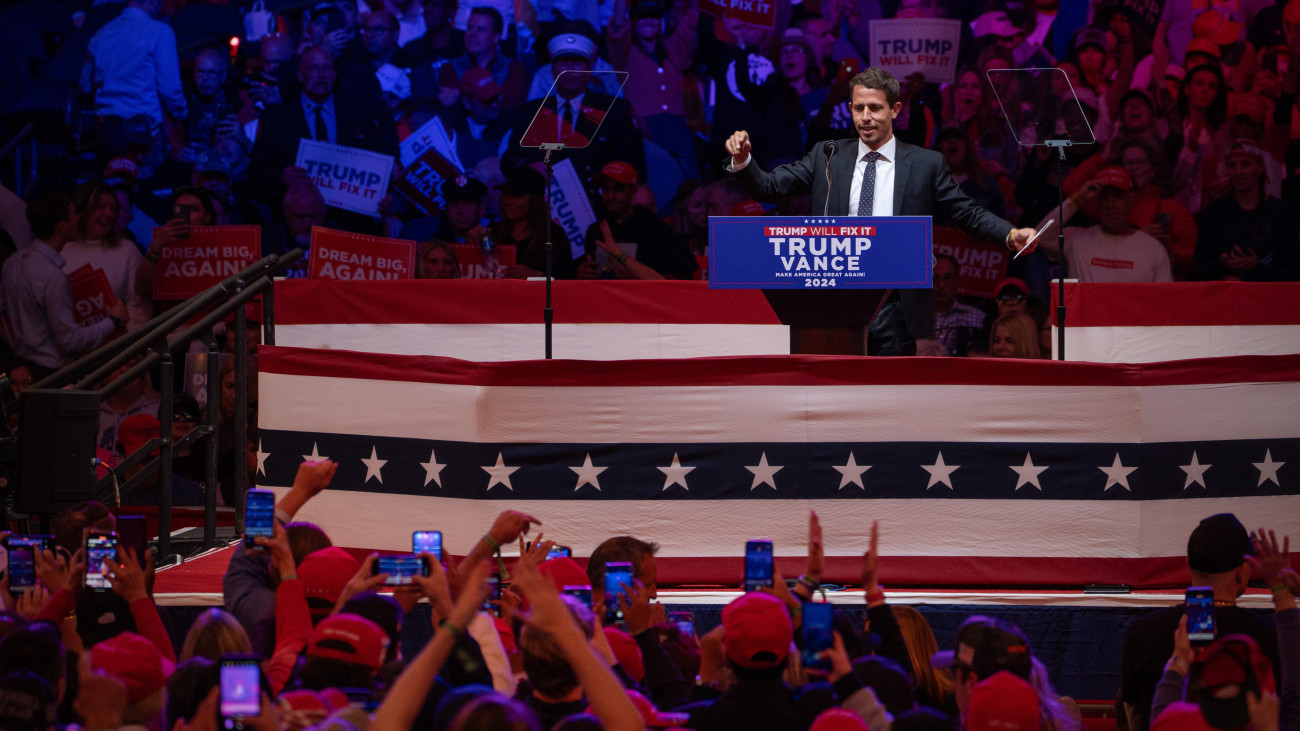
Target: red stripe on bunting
(1180,303)
(468,301)
(775,370)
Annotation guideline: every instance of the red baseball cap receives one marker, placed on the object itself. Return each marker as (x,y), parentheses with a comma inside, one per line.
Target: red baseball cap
(134,661)
(838,719)
(620,172)
(479,84)
(563,572)
(122,167)
(1003,702)
(135,431)
(1203,45)
(1115,177)
(350,638)
(627,651)
(1212,26)
(1250,105)
(324,573)
(756,631)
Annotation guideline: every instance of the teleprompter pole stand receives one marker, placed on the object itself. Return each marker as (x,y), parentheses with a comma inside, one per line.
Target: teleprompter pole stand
(1060,146)
(548,314)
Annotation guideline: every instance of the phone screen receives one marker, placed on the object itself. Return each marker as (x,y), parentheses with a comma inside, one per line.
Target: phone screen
(559,552)
(427,541)
(685,621)
(400,569)
(1200,615)
(817,634)
(99,546)
(758,565)
(617,575)
(583,593)
(22,560)
(241,690)
(259,516)
(492,605)
(131,530)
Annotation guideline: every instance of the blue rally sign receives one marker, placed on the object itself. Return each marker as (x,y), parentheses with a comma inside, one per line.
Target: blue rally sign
(798,252)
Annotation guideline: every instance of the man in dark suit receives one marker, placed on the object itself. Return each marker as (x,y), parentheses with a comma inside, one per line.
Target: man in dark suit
(317,113)
(576,116)
(878,175)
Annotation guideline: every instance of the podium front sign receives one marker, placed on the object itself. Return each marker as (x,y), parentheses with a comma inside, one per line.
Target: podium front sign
(801,252)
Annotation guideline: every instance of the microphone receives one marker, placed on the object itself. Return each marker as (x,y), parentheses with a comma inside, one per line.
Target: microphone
(829,148)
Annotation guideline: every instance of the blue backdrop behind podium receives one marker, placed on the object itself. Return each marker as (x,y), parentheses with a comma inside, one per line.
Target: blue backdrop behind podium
(807,252)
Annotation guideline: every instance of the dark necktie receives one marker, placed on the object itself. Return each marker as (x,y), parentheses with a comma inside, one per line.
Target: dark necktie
(568,117)
(322,132)
(867,199)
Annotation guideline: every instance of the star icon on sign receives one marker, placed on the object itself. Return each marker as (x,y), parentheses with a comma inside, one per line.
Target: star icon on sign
(851,473)
(1028,473)
(261,458)
(940,473)
(1117,474)
(1195,472)
(373,467)
(500,474)
(1268,469)
(432,470)
(315,455)
(764,474)
(675,473)
(588,474)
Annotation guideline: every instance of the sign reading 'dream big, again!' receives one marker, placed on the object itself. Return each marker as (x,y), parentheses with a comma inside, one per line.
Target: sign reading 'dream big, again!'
(805,252)
(344,255)
(207,257)
(349,178)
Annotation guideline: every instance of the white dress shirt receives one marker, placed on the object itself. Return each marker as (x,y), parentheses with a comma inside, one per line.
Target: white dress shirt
(883,202)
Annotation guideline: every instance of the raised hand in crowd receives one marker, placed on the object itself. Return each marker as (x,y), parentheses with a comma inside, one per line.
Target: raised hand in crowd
(313,477)
(33,599)
(507,527)
(56,572)
(126,578)
(362,581)
(205,716)
(436,589)
(816,564)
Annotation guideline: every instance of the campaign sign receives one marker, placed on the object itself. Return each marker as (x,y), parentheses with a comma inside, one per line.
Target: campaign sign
(343,255)
(797,252)
(349,178)
(904,46)
(471,261)
(430,136)
(207,257)
(91,295)
(421,182)
(983,264)
(571,206)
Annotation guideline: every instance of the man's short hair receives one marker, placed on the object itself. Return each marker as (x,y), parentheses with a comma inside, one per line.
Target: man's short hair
(498,23)
(548,672)
(38,647)
(46,210)
(948,258)
(618,548)
(877,78)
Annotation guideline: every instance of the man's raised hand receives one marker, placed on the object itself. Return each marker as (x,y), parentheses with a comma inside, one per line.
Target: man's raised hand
(738,147)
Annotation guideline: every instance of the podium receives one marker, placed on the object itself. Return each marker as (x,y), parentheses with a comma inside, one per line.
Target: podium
(825,277)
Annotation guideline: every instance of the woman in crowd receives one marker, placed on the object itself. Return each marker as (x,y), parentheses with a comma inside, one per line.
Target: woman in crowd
(191,207)
(102,246)
(691,215)
(1202,110)
(1014,336)
(975,109)
(524,225)
(797,74)
(932,687)
(436,260)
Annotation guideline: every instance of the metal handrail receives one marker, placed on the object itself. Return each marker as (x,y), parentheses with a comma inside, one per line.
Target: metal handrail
(27,133)
(153,348)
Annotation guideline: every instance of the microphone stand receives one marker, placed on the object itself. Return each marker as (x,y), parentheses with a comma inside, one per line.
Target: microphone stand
(829,148)
(1060,146)
(548,314)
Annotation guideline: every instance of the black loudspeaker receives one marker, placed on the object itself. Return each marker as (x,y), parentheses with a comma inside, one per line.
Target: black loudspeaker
(57,448)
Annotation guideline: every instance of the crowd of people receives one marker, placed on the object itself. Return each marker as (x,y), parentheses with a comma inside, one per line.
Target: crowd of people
(337,647)
(1190,176)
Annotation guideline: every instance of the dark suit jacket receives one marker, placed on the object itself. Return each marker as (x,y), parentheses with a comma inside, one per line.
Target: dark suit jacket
(923,186)
(616,138)
(283,125)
